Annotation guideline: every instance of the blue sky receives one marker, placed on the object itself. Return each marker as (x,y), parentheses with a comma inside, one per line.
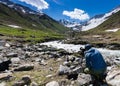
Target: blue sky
(79,10)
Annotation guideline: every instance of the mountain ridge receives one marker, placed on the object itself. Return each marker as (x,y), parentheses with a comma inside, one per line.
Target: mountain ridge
(28,22)
(31,16)
(93,21)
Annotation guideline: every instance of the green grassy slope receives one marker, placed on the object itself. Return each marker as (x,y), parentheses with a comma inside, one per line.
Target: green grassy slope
(112,23)
(99,34)
(42,27)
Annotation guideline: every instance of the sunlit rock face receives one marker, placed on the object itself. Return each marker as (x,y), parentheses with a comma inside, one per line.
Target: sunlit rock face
(113,77)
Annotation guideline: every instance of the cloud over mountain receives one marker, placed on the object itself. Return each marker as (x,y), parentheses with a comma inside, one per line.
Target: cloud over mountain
(39,4)
(77,14)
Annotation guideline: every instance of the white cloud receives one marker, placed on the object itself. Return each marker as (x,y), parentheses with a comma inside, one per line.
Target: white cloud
(39,4)
(77,14)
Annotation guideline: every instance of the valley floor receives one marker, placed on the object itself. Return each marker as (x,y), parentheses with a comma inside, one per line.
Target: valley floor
(41,65)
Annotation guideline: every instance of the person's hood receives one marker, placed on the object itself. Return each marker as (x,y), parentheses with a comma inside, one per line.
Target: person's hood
(88,46)
(92,50)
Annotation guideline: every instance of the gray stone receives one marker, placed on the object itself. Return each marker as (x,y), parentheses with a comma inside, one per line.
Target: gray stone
(34,84)
(48,76)
(26,80)
(113,77)
(5,76)
(117,61)
(15,60)
(43,62)
(76,70)
(19,83)
(2,43)
(63,70)
(52,83)
(67,63)
(26,67)
(39,49)
(12,55)
(83,79)
(2,84)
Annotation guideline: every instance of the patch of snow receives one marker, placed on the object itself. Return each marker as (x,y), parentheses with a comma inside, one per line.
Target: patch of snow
(14,26)
(112,30)
(3,2)
(72,25)
(30,12)
(23,10)
(11,6)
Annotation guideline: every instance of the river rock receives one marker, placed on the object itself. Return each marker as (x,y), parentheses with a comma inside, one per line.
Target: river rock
(76,70)
(83,79)
(5,76)
(12,54)
(15,60)
(26,80)
(66,63)
(52,83)
(26,67)
(34,84)
(63,70)
(113,77)
(63,52)
(2,84)
(117,61)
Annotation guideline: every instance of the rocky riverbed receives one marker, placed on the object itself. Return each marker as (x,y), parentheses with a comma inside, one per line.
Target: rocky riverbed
(51,64)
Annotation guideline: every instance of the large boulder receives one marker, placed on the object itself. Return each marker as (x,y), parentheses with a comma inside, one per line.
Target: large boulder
(113,77)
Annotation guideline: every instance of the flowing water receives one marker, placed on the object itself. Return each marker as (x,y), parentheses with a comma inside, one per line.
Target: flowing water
(75,48)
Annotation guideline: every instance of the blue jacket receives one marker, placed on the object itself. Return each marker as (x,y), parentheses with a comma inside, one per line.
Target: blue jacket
(94,60)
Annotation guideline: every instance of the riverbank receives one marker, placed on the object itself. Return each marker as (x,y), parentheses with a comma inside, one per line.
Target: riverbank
(99,41)
(42,63)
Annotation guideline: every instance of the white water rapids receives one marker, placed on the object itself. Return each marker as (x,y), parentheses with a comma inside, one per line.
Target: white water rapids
(76,48)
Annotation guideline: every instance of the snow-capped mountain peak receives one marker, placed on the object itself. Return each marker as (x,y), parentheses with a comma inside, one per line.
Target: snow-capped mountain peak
(70,24)
(94,22)
(90,24)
